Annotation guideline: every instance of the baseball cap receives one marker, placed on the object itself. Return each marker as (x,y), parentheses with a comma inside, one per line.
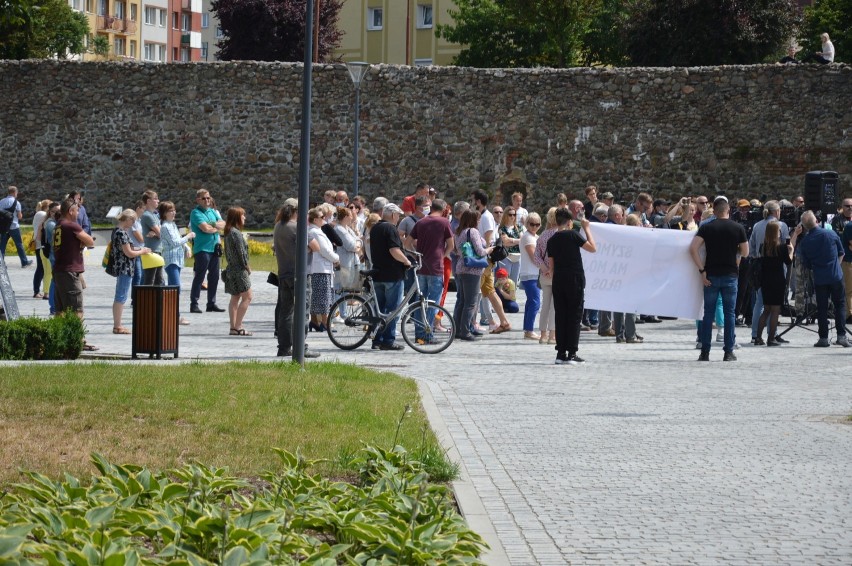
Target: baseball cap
(743,202)
(392,208)
(292,202)
(755,202)
(719,199)
(661,201)
(501,273)
(606,195)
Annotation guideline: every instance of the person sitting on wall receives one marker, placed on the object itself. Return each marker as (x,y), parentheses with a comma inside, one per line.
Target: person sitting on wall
(825,56)
(790,58)
(505,288)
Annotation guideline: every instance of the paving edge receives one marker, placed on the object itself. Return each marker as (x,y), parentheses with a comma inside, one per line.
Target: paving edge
(466,496)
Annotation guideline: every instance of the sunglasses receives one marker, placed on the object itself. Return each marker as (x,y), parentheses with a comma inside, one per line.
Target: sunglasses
(498,212)
(535,223)
(512,214)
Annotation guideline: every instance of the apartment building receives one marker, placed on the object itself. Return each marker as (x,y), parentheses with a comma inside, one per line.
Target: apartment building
(185,33)
(396,32)
(116,20)
(210,32)
(155,31)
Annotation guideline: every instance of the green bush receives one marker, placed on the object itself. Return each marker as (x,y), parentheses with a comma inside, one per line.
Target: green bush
(197,514)
(32,338)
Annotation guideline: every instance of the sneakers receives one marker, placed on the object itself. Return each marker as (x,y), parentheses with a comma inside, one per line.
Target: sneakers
(729,357)
(392,347)
(704,356)
(575,360)
(771,343)
(619,340)
(561,359)
(635,340)
(26,265)
(822,343)
(720,336)
(780,340)
(843,341)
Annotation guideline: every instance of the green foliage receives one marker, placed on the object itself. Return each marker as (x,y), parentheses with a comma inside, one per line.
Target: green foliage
(40,28)
(33,338)
(100,45)
(663,33)
(197,514)
(256,247)
(833,17)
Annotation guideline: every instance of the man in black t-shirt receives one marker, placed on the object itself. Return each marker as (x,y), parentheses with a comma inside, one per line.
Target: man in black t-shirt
(569,282)
(389,259)
(725,242)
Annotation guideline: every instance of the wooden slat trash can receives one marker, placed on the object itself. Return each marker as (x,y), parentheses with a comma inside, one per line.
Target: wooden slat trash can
(155,320)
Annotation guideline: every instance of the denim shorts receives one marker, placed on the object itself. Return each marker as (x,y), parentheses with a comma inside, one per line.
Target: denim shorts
(122,288)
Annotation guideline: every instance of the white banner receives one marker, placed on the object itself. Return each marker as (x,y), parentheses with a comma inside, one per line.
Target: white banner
(643,271)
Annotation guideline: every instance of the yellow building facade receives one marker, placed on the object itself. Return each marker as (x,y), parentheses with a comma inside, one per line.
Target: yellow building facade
(118,21)
(398,32)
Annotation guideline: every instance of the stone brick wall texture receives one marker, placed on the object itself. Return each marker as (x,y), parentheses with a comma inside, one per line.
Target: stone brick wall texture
(116,129)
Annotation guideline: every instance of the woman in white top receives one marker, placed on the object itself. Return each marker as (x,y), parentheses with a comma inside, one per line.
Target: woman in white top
(322,263)
(349,252)
(42,274)
(825,56)
(529,274)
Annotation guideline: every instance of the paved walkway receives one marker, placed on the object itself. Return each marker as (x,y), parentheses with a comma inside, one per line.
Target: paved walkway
(642,455)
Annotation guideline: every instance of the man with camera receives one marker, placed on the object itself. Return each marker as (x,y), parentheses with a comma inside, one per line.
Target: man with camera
(820,251)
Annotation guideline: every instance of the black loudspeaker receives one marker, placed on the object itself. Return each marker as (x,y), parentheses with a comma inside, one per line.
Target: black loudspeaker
(821,191)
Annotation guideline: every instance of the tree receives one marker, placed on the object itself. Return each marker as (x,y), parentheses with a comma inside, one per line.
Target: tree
(833,17)
(40,28)
(273,30)
(708,32)
(519,33)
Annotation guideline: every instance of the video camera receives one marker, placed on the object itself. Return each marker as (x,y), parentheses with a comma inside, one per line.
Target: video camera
(791,216)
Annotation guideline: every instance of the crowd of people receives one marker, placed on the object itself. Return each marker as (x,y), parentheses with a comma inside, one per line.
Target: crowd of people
(488,249)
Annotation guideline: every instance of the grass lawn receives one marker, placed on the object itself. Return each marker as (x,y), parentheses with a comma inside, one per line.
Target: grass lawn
(53,416)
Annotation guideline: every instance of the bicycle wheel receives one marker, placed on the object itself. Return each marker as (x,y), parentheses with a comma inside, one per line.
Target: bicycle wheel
(350,321)
(420,335)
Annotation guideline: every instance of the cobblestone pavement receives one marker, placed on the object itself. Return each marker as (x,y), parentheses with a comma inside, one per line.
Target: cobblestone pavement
(642,455)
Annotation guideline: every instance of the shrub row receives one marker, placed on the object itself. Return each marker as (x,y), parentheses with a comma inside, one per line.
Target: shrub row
(198,515)
(33,338)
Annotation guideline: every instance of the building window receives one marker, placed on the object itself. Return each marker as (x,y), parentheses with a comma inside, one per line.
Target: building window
(205,20)
(150,16)
(162,18)
(132,52)
(374,18)
(424,15)
(120,10)
(204,50)
(102,7)
(219,34)
(185,22)
(134,12)
(175,20)
(422,62)
(118,46)
(150,52)
(161,53)
(90,6)
(184,54)
(77,5)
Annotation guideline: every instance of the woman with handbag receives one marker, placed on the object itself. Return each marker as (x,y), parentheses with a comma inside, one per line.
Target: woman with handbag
(322,260)
(349,252)
(774,256)
(237,275)
(123,260)
(510,235)
(472,261)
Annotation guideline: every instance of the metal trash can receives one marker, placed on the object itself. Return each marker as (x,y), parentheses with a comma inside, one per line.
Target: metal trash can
(155,320)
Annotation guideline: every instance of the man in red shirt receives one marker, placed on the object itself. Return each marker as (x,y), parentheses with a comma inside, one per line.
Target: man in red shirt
(432,237)
(408,206)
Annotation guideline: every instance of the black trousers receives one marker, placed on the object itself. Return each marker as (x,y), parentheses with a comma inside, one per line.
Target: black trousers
(568,303)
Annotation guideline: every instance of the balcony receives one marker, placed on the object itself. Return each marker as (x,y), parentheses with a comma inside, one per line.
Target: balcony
(184,38)
(116,25)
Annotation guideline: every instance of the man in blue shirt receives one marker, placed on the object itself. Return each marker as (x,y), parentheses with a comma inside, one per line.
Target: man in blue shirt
(820,251)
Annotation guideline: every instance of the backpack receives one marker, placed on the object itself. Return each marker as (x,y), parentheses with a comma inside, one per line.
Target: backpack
(108,262)
(7,217)
(45,245)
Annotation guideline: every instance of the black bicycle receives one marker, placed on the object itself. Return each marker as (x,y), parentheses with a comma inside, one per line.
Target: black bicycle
(426,326)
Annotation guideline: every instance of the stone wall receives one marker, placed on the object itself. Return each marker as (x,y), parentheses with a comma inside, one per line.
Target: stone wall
(115,129)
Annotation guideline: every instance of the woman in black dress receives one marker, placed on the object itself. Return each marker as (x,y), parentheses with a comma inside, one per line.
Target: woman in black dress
(774,256)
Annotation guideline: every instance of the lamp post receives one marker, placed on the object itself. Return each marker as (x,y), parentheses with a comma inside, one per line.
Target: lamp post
(357,70)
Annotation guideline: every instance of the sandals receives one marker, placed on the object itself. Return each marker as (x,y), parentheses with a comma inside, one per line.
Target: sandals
(240,332)
(120,330)
(504,327)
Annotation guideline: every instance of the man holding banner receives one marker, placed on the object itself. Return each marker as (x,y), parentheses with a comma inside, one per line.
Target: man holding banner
(723,240)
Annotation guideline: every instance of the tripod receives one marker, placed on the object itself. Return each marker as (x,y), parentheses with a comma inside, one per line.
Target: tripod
(806,308)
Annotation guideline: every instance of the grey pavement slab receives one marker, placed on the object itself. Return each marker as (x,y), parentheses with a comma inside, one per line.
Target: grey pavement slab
(642,455)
